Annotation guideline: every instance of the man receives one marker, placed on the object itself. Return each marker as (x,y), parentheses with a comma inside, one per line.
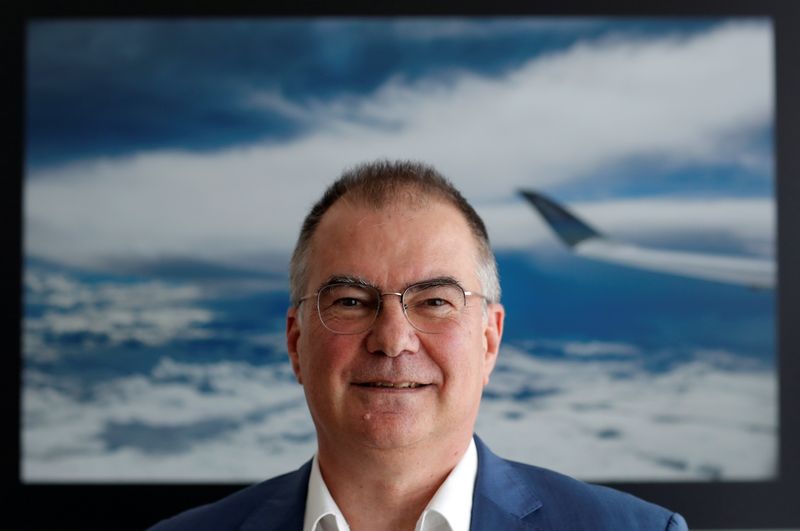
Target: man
(394,329)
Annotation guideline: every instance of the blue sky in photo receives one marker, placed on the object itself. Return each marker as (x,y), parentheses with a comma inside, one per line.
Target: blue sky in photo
(113,87)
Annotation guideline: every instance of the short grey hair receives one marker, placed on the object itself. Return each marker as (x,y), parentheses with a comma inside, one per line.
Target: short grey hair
(384,182)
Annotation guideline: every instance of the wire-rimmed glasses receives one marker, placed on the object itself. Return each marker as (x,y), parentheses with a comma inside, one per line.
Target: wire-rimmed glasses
(432,307)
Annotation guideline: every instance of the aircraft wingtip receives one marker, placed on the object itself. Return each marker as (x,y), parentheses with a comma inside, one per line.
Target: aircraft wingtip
(568,227)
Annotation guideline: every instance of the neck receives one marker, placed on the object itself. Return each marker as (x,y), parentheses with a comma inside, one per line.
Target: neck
(378,488)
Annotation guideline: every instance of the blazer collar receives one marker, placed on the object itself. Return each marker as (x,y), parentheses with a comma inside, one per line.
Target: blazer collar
(502,499)
(284,504)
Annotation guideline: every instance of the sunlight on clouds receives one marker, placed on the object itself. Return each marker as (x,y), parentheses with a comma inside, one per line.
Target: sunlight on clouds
(599,103)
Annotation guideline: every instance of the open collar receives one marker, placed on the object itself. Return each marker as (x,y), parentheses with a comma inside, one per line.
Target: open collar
(501,499)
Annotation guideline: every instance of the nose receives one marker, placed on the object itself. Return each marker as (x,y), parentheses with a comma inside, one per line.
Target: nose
(392,335)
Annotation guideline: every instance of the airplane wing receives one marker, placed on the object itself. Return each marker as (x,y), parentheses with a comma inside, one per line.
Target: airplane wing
(584,240)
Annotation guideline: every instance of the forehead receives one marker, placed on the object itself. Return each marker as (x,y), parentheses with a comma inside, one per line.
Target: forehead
(395,244)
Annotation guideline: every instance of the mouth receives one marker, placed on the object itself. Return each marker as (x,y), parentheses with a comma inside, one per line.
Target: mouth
(392,385)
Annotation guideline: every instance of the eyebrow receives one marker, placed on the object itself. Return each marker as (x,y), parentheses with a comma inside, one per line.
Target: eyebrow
(345,279)
(433,282)
(358,281)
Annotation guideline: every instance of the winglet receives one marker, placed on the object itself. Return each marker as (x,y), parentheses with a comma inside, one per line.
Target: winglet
(566,225)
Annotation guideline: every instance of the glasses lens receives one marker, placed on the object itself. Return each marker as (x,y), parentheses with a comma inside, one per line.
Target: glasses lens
(347,308)
(434,308)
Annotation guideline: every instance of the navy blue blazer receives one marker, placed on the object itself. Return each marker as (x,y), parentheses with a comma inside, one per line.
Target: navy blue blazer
(508,496)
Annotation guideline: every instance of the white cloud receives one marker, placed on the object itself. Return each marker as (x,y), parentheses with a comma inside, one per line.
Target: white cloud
(152,313)
(599,348)
(258,415)
(556,119)
(697,421)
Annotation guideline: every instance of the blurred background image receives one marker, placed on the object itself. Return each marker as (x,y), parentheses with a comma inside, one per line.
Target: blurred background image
(169,164)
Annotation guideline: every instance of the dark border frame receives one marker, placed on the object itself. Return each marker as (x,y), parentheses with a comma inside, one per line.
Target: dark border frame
(710,505)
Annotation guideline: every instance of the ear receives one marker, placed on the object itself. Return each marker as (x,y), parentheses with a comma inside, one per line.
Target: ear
(492,334)
(292,338)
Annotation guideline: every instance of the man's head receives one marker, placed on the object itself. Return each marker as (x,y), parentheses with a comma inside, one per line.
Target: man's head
(413,377)
(380,183)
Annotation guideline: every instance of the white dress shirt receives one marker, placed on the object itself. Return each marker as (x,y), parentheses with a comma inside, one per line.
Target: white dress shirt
(450,508)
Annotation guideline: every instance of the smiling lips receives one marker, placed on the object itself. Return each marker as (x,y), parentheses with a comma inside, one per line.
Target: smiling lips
(393,385)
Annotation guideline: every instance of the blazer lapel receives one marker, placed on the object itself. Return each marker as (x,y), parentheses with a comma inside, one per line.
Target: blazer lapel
(502,500)
(284,504)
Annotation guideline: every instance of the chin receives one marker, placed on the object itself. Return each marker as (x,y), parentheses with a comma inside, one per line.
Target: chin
(385,432)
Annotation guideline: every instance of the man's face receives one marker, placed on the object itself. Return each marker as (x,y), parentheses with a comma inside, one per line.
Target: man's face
(355,384)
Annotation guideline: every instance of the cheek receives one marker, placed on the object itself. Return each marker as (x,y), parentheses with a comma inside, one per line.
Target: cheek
(459,355)
(323,355)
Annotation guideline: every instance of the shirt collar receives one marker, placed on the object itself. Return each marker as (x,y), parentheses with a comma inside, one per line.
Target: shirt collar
(450,506)
(322,513)
(453,501)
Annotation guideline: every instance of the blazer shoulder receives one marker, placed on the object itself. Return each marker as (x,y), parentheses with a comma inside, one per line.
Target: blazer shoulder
(588,505)
(284,494)
(529,497)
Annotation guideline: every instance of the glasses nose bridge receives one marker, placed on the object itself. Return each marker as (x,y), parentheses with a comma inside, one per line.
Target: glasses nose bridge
(403,308)
(381,295)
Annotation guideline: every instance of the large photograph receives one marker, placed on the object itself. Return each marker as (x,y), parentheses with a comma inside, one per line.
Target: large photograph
(624,168)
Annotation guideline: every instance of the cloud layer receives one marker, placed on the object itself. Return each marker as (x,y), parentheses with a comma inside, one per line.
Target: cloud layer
(708,419)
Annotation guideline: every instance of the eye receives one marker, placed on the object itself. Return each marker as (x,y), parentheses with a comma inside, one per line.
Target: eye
(434,298)
(348,302)
(346,298)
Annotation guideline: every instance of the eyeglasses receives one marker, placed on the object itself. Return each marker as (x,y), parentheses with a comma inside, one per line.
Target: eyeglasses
(352,308)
